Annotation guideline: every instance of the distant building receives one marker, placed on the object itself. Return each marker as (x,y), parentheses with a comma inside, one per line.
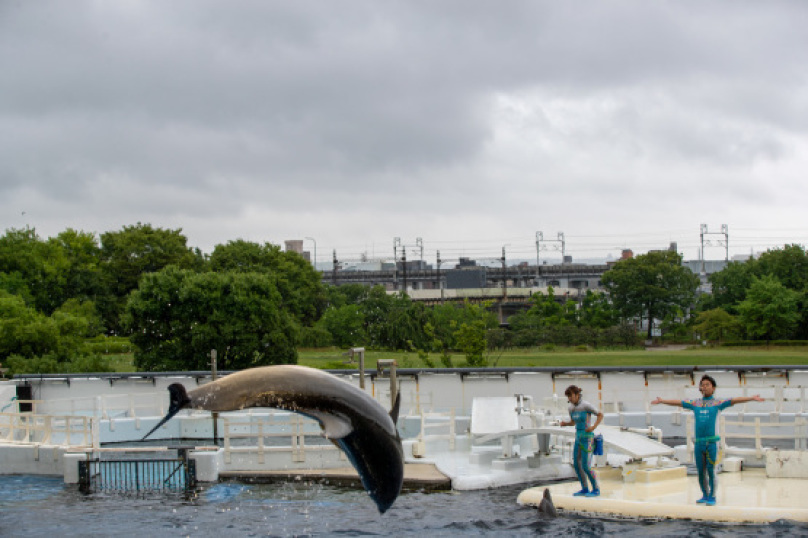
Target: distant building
(467,277)
(296,245)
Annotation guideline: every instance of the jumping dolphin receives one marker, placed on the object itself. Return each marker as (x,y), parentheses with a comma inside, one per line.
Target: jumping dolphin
(546,506)
(350,418)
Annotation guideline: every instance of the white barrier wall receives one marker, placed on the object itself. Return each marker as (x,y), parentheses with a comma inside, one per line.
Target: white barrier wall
(426,391)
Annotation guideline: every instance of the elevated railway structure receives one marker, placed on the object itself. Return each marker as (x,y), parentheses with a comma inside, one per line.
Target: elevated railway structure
(508,289)
(572,276)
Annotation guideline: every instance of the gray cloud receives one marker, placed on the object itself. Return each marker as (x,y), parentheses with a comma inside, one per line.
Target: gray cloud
(360,121)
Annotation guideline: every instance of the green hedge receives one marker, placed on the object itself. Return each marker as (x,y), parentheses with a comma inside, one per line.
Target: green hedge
(758,343)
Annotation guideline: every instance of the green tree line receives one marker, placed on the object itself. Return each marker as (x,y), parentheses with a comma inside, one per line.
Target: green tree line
(65,299)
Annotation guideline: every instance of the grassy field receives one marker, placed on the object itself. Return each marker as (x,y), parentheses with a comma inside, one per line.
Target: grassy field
(569,357)
(692,356)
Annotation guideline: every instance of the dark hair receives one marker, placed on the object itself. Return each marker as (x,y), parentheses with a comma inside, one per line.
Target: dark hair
(708,378)
(572,389)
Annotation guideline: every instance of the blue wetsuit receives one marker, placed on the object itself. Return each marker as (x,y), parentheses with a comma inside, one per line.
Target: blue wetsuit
(584,443)
(705,410)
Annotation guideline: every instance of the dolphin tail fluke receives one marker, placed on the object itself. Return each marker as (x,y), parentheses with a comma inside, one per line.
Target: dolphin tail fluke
(396,406)
(178,399)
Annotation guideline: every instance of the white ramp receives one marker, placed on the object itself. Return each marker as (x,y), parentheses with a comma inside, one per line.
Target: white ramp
(626,442)
(493,415)
(496,419)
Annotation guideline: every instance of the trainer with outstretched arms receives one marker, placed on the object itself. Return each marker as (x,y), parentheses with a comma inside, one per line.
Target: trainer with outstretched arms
(584,439)
(705,410)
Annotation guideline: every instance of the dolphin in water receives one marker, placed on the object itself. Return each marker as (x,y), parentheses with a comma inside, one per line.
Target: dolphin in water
(546,506)
(350,418)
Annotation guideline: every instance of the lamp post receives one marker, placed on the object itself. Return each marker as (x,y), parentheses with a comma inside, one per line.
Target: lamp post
(315,251)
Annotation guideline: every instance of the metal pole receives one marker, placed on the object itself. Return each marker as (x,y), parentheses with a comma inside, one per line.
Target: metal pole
(404,266)
(393,384)
(315,251)
(213,376)
(440,282)
(702,231)
(361,352)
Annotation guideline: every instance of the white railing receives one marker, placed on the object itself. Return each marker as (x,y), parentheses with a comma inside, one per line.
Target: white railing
(107,406)
(796,431)
(779,399)
(439,421)
(262,428)
(61,430)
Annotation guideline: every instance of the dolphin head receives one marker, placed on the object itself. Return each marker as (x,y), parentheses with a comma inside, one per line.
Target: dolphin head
(178,400)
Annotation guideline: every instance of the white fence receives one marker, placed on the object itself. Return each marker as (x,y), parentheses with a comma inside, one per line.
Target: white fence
(260,430)
(61,430)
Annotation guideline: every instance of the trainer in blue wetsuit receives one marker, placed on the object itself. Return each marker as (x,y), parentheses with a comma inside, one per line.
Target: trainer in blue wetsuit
(705,450)
(584,440)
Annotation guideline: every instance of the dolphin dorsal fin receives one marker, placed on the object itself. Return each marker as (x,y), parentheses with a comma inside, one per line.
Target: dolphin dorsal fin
(394,410)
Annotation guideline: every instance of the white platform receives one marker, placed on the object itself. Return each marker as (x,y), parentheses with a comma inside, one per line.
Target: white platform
(743,497)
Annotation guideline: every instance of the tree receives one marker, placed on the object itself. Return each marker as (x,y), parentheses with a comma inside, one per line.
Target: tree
(597,311)
(345,324)
(650,286)
(299,283)
(472,342)
(132,252)
(729,286)
(545,311)
(31,342)
(176,317)
(41,265)
(447,319)
(716,324)
(337,296)
(770,309)
(789,265)
(82,276)
(23,330)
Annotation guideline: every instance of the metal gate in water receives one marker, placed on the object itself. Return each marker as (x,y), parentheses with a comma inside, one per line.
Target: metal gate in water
(138,475)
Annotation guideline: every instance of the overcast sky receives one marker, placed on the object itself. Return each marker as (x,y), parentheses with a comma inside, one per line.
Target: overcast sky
(471,125)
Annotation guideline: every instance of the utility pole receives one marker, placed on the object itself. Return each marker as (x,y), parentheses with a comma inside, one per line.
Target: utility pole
(440,282)
(504,275)
(396,245)
(725,243)
(404,266)
(540,239)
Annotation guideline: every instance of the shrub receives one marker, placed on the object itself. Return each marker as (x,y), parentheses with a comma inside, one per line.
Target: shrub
(314,337)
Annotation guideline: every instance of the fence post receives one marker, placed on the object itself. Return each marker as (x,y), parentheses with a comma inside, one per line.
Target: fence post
(84,476)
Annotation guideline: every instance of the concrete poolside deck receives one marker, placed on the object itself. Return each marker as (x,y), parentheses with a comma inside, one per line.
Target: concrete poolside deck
(417,476)
(743,497)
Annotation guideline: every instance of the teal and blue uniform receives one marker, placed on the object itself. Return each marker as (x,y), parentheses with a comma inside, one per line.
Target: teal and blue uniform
(705,410)
(584,443)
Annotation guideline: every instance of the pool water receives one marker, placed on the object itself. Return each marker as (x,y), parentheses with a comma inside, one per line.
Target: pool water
(43,506)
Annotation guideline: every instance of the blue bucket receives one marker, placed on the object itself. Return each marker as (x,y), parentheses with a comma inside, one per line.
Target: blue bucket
(598,445)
